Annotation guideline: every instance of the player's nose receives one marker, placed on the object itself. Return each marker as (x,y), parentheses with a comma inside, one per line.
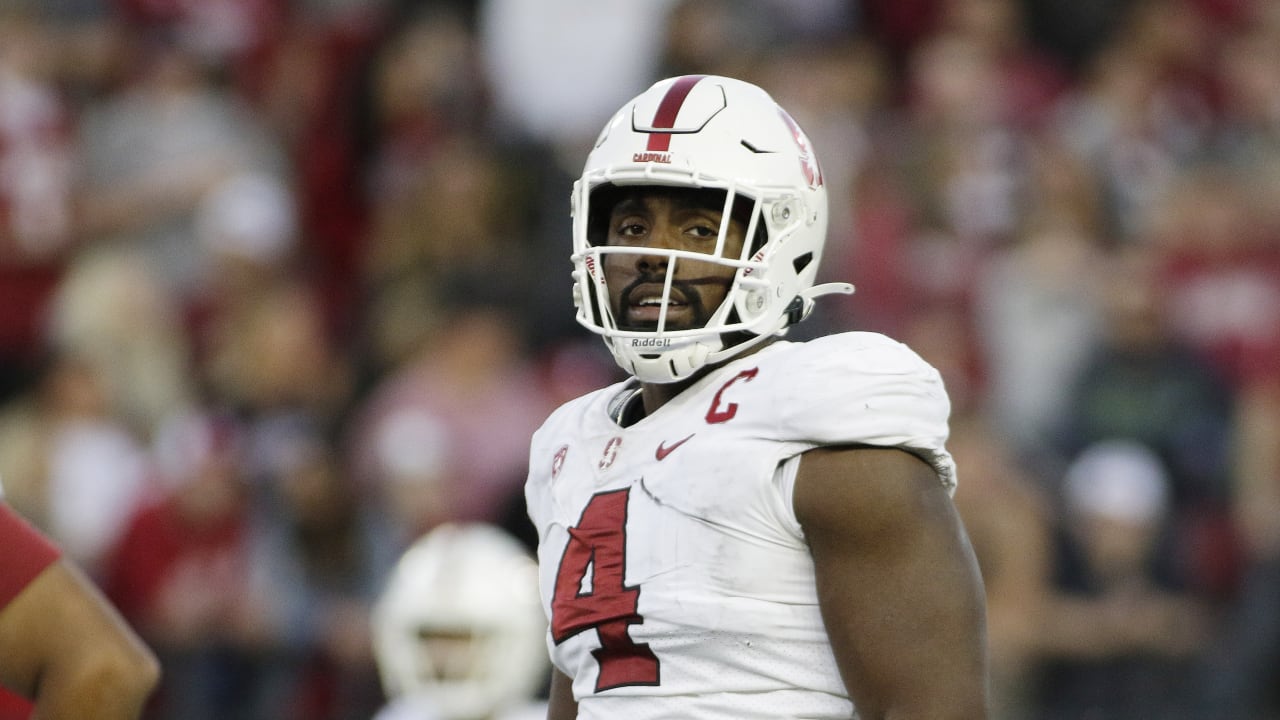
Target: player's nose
(662,236)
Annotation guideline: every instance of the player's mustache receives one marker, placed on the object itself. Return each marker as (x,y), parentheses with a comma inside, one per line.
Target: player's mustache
(685,289)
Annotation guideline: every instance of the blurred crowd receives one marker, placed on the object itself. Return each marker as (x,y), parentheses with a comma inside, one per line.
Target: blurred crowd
(285,283)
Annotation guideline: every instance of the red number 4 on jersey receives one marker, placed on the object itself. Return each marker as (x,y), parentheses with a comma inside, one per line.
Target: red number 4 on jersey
(598,543)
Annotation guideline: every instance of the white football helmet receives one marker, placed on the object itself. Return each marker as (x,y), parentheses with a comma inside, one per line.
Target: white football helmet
(459,626)
(717,133)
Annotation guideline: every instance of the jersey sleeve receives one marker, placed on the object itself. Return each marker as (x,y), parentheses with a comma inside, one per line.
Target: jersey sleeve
(24,554)
(543,458)
(535,485)
(867,389)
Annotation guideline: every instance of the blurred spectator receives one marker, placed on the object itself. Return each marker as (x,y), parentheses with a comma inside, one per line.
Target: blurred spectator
(455,213)
(1257,495)
(1248,133)
(1143,384)
(1221,263)
(308,95)
(968,164)
(426,86)
(35,182)
(1033,78)
(152,152)
(36,198)
(1120,632)
(116,363)
(248,225)
(1037,318)
(1240,671)
(461,213)
(70,463)
(716,37)
(900,25)
(274,358)
(114,312)
(319,556)
(876,255)
(1141,112)
(817,20)
(180,573)
(445,436)
(1072,30)
(1227,283)
(227,37)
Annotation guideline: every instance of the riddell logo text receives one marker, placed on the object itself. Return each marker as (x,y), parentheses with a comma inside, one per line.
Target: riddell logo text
(651,157)
(649,343)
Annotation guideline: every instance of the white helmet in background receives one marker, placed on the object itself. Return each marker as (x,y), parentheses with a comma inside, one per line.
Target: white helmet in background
(706,132)
(459,626)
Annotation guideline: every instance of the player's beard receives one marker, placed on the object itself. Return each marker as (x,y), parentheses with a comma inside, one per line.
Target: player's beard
(687,291)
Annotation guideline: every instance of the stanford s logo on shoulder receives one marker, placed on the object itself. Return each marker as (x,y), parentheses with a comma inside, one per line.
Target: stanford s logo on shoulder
(557,462)
(610,452)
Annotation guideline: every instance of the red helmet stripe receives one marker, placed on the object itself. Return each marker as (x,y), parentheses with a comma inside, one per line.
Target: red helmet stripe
(668,109)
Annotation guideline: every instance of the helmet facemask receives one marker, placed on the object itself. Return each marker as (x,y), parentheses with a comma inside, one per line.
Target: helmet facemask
(658,351)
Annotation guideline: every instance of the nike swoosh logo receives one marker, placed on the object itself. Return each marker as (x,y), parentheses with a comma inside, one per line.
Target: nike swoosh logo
(664,451)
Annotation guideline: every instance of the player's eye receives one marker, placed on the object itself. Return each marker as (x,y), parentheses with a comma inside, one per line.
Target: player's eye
(704,232)
(631,229)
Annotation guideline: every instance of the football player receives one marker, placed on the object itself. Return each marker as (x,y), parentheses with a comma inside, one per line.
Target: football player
(458,632)
(749,527)
(62,646)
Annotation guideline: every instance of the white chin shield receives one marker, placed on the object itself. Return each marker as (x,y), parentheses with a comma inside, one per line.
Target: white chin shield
(665,364)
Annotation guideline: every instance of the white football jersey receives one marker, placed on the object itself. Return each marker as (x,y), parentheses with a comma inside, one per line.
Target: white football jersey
(673,570)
